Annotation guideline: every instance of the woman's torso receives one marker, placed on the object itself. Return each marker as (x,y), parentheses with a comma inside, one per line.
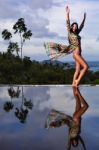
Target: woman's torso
(74,40)
(75,127)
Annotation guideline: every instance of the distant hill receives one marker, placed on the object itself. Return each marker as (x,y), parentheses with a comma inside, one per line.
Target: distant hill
(56,62)
(93,65)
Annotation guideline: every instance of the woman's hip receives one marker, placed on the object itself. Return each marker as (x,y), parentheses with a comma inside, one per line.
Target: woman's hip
(77,50)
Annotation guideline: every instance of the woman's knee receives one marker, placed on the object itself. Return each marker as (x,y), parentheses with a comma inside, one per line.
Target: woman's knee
(81,61)
(86,67)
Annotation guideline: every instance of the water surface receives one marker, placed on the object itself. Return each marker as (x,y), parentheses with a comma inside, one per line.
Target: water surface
(24,111)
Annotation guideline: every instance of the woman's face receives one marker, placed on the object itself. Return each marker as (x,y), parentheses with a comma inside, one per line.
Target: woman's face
(75,142)
(74,27)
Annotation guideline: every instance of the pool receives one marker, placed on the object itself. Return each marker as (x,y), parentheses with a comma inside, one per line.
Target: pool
(24,111)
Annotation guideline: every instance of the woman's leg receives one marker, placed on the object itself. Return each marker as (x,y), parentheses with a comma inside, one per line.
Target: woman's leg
(77,71)
(81,104)
(78,103)
(83,63)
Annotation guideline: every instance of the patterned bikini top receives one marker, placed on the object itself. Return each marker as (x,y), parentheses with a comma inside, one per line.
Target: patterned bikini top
(74,38)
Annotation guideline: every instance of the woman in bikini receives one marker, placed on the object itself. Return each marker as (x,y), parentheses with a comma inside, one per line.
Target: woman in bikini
(55,50)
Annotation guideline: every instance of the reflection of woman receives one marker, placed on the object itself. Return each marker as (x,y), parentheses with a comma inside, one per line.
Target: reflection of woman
(57,119)
(55,50)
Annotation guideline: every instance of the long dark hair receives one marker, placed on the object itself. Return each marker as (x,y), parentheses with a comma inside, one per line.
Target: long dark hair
(71,28)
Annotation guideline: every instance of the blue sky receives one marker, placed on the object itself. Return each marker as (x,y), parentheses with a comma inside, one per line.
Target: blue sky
(46,19)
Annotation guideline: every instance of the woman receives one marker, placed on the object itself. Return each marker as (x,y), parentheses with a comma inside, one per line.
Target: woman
(55,50)
(57,119)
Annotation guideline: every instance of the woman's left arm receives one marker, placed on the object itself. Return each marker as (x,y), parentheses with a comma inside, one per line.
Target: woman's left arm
(82,24)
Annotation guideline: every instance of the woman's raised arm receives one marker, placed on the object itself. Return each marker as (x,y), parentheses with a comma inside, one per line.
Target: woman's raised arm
(67,18)
(82,24)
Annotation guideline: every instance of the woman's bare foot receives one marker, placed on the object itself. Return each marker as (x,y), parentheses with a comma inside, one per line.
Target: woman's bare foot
(73,83)
(76,83)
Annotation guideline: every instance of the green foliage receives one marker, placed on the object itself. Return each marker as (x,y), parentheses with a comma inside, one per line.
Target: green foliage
(13,47)
(96,81)
(13,70)
(20,26)
(6,35)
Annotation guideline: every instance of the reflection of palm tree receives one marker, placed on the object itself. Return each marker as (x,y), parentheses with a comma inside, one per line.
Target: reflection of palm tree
(12,93)
(22,112)
(8,106)
(25,102)
(28,103)
(57,119)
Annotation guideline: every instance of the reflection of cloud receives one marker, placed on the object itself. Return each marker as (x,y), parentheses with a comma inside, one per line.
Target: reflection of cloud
(4,93)
(62,99)
(91,95)
(97,39)
(57,97)
(45,105)
(39,95)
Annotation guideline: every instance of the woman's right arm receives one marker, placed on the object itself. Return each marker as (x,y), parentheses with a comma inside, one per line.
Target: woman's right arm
(67,18)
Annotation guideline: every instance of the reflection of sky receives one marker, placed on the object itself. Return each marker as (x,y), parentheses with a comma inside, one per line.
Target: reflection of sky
(32,135)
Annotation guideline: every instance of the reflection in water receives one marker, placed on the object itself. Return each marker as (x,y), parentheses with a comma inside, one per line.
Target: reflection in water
(13,94)
(57,119)
(20,112)
(8,106)
(32,134)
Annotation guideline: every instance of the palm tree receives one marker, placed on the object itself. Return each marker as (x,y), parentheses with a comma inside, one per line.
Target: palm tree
(21,29)
(25,34)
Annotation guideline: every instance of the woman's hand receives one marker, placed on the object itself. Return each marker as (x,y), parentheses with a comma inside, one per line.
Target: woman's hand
(67,10)
(85,15)
(67,18)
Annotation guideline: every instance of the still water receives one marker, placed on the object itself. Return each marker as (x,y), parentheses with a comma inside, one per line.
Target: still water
(41,117)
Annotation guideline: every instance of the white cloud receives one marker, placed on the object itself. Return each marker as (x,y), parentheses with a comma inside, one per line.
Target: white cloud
(47,21)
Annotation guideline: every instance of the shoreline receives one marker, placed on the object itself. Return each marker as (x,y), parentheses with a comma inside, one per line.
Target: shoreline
(58,85)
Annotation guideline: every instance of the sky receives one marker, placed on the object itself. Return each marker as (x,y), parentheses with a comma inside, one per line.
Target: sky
(47,21)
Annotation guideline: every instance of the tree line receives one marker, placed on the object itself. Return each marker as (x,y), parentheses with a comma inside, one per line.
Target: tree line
(14,70)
